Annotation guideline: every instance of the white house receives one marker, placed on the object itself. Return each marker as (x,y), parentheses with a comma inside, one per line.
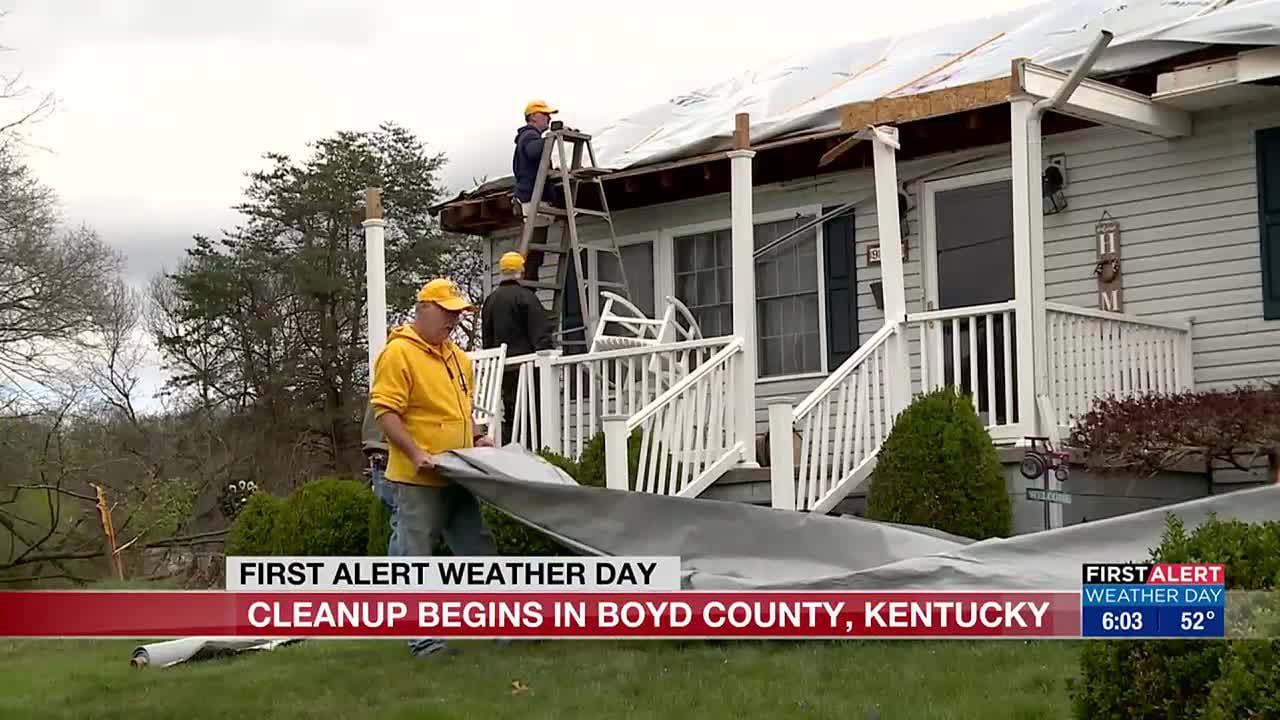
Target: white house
(1058,241)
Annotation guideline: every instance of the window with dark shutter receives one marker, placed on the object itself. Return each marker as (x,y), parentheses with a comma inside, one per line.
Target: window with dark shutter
(840,261)
(1268,142)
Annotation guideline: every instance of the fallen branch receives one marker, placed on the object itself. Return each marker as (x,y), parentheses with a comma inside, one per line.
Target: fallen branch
(18,488)
(55,557)
(38,578)
(204,537)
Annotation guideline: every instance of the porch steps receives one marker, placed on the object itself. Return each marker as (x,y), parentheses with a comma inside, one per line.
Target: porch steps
(753,486)
(745,485)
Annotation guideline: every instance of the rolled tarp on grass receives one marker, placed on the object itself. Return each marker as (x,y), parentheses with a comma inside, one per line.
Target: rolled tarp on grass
(174,652)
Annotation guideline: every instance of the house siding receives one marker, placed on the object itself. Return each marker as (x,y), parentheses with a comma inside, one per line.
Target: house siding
(1189,235)
(1188,215)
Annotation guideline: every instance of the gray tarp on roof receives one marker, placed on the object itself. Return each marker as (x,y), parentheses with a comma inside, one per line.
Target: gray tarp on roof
(803,93)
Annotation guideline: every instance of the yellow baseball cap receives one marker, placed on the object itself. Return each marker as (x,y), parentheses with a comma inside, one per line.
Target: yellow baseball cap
(511,262)
(444,292)
(539,106)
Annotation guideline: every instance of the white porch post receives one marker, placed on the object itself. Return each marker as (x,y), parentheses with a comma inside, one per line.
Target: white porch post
(375,274)
(548,433)
(744,283)
(616,471)
(1029,277)
(782,470)
(884,145)
(1026,206)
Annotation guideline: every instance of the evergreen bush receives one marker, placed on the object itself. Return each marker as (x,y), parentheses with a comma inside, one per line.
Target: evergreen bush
(254,530)
(939,469)
(591,465)
(326,516)
(1195,679)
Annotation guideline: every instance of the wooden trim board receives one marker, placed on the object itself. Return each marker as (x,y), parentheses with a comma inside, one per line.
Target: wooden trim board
(947,101)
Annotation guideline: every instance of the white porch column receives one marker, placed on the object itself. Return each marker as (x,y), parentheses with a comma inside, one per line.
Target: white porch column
(1026,209)
(782,466)
(375,274)
(744,283)
(1029,278)
(884,145)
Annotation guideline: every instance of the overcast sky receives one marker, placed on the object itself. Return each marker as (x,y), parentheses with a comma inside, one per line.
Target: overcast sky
(165,104)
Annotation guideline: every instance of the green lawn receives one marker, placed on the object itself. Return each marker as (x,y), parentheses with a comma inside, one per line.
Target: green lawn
(920,680)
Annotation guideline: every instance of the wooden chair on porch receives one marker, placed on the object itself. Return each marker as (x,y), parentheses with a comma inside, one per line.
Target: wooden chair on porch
(486,397)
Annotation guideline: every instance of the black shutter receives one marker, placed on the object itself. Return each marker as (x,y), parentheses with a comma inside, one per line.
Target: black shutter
(840,257)
(1268,142)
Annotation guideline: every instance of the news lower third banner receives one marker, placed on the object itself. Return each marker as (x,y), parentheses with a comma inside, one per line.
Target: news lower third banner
(608,597)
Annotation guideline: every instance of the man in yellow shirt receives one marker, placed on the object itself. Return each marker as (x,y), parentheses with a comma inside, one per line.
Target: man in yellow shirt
(421,397)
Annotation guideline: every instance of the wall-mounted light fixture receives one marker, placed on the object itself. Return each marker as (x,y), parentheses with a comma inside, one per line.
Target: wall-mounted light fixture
(1051,184)
(904,209)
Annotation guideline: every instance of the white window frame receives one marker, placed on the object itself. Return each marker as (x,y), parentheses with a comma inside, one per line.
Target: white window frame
(665,276)
(929,228)
(593,268)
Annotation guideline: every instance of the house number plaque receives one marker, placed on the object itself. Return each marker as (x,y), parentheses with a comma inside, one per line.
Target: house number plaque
(1107,269)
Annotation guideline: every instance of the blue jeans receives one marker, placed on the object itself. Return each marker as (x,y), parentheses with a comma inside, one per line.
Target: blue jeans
(386,492)
(423,514)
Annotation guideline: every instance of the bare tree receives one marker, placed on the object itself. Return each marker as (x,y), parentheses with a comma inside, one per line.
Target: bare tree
(53,285)
(22,106)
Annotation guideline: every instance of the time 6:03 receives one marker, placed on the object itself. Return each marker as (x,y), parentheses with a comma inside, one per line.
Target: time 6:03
(1121,621)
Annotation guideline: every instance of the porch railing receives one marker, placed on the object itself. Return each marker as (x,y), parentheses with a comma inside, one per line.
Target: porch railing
(561,400)
(842,424)
(1095,354)
(688,434)
(973,349)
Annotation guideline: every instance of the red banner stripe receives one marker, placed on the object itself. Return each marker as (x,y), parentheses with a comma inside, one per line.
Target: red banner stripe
(553,614)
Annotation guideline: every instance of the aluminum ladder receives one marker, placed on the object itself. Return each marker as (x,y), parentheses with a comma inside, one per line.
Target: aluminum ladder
(572,174)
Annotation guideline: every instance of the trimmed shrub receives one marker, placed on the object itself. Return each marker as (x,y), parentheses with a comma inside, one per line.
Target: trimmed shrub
(939,469)
(591,466)
(562,462)
(326,516)
(379,528)
(1193,679)
(254,529)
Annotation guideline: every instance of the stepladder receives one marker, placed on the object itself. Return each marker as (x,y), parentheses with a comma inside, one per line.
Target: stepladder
(573,307)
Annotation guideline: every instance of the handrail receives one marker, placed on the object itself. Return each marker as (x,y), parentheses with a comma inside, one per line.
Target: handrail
(961,312)
(625,352)
(1184,325)
(845,369)
(520,359)
(684,383)
(646,350)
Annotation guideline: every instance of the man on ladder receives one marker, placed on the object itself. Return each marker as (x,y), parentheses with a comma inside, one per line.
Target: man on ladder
(524,166)
(548,195)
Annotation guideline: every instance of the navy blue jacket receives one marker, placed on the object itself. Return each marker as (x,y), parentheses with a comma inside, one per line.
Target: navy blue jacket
(524,161)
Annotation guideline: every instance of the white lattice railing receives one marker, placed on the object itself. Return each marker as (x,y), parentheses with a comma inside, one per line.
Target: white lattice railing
(1095,354)
(688,434)
(842,424)
(579,391)
(973,349)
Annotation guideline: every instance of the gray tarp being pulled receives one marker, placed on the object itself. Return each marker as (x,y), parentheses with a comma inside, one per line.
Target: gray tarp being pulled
(733,546)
